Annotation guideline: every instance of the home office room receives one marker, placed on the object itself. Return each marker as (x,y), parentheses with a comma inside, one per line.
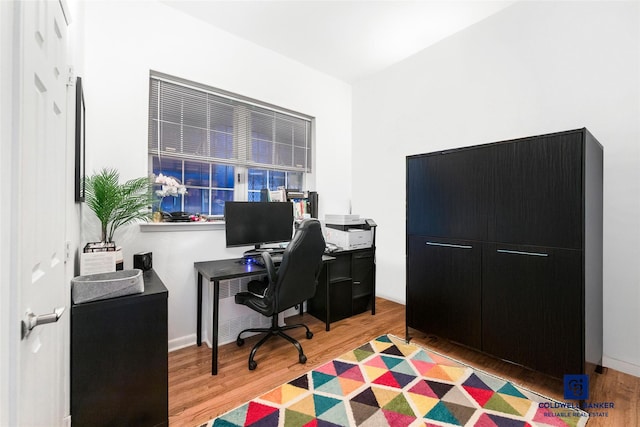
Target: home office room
(486,152)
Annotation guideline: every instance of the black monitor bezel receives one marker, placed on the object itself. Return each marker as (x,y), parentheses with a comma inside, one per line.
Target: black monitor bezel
(279,210)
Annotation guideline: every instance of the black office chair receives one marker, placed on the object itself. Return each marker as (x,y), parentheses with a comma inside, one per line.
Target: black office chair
(291,284)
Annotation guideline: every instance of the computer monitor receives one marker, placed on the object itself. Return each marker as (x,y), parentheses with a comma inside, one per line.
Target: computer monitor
(258,223)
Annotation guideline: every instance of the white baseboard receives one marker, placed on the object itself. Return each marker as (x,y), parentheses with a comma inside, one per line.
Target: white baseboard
(619,365)
(390,298)
(189,340)
(182,342)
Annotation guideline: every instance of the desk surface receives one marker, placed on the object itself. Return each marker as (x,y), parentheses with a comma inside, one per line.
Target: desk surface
(224,269)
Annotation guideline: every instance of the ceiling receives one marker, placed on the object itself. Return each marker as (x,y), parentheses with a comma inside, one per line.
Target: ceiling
(345,39)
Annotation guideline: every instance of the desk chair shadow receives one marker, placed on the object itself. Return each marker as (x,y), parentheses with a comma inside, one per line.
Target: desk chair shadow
(293,283)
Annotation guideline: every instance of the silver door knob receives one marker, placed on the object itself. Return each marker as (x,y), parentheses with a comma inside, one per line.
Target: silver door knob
(33,320)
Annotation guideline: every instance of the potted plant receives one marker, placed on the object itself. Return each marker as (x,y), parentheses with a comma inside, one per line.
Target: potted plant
(117,204)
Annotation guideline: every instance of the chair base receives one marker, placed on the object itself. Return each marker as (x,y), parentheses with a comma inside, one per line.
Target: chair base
(274,330)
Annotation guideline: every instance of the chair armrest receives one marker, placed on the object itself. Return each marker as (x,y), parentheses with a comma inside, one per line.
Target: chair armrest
(271,269)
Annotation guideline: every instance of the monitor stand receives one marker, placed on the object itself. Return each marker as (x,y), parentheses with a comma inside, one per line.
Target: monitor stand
(258,250)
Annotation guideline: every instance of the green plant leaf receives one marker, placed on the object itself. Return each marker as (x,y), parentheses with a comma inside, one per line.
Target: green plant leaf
(116,204)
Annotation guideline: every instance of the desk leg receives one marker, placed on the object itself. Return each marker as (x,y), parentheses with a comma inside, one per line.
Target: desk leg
(373,298)
(327,326)
(214,323)
(199,319)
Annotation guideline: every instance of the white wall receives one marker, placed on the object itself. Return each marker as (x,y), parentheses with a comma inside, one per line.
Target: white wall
(123,41)
(536,67)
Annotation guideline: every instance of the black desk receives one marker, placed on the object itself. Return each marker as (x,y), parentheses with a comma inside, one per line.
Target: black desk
(215,271)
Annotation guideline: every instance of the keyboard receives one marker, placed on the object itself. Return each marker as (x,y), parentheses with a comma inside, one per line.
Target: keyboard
(277,259)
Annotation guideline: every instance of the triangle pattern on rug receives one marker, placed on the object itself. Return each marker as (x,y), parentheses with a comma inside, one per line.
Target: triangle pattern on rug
(301,382)
(295,418)
(394,379)
(498,403)
(492,420)
(480,395)
(440,412)
(336,415)
(389,382)
(398,419)
(399,405)
(283,394)
(362,411)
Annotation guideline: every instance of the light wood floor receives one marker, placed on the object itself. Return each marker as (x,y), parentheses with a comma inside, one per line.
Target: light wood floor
(195,396)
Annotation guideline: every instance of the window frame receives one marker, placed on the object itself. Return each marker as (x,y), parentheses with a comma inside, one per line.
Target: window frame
(243,136)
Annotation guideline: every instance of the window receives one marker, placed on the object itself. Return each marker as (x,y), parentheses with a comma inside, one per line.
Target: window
(223,146)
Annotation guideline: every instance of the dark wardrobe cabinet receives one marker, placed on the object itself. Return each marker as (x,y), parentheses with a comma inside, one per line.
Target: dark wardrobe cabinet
(504,249)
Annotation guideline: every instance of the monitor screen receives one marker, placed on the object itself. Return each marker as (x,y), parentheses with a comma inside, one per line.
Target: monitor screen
(256,223)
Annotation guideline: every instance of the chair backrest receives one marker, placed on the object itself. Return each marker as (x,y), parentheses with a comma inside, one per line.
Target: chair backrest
(301,263)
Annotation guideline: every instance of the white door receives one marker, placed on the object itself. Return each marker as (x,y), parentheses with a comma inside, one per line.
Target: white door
(41,198)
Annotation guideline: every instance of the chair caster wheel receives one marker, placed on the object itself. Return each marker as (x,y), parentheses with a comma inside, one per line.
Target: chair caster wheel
(240,342)
(309,335)
(303,358)
(252,365)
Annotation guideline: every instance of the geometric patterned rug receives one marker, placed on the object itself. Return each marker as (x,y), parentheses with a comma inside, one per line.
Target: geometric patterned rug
(387,382)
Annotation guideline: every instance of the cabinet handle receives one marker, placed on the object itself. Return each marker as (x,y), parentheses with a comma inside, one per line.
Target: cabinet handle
(507,251)
(450,245)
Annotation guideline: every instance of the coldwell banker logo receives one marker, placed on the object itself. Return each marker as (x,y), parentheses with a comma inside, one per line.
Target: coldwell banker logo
(576,387)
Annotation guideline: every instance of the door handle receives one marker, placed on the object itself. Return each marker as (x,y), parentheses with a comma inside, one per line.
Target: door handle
(507,251)
(450,245)
(33,320)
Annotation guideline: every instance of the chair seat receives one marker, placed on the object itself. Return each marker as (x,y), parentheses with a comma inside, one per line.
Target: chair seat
(259,304)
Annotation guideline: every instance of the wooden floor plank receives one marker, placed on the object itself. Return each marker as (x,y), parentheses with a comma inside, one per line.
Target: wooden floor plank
(195,396)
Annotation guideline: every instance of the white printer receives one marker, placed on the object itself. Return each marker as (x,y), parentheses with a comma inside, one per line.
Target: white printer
(349,231)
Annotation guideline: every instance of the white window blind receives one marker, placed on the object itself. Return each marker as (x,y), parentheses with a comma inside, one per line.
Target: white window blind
(191,121)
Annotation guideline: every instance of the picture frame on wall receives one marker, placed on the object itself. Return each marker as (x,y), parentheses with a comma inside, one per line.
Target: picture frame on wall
(80,142)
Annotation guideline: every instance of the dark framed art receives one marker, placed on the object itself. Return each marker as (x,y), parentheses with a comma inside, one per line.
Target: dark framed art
(80,141)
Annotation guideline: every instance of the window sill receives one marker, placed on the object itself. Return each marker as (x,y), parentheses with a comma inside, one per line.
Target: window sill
(181,226)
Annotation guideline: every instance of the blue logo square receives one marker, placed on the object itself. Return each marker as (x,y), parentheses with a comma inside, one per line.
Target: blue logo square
(576,387)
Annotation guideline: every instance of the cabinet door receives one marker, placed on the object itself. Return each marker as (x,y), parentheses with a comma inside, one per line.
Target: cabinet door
(444,288)
(532,307)
(538,192)
(332,300)
(363,275)
(119,361)
(447,193)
